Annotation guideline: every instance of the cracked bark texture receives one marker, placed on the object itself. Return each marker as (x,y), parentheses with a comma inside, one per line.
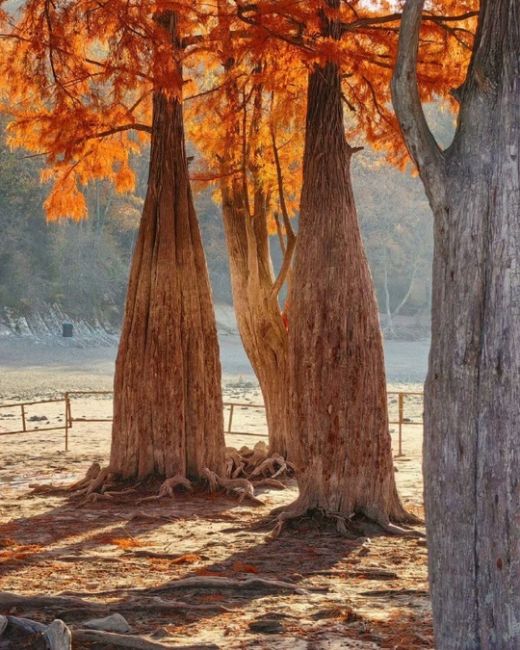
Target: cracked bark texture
(472,393)
(168,416)
(338,402)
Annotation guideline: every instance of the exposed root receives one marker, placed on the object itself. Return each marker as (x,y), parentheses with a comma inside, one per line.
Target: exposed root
(98,483)
(410,519)
(117,640)
(291,466)
(46,488)
(269,466)
(270,482)
(392,529)
(295,511)
(347,525)
(235,464)
(94,497)
(120,493)
(167,487)
(91,474)
(255,463)
(241,467)
(256,456)
(101,484)
(220,583)
(94,485)
(388,526)
(241,485)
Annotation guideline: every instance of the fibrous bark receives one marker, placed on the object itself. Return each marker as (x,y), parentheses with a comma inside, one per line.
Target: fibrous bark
(254,286)
(338,404)
(472,394)
(167,390)
(256,305)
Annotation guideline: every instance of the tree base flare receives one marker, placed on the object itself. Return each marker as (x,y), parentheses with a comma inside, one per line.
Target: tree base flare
(245,469)
(101,485)
(241,486)
(351,525)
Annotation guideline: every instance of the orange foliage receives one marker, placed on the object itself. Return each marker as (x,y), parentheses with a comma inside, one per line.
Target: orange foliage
(78,78)
(366,53)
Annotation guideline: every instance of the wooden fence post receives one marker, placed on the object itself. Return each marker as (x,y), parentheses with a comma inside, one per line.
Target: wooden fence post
(230,421)
(401,414)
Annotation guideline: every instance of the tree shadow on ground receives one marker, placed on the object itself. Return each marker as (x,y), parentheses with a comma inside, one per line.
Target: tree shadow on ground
(299,558)
(319,565)
(53,534)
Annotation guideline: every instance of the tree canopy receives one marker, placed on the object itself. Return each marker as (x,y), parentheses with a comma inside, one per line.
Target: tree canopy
(93,68)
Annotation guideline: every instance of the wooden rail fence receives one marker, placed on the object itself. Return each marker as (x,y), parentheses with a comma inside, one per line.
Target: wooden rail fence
(68,419)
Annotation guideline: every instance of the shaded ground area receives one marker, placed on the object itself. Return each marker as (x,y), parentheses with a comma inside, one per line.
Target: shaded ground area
(129,559)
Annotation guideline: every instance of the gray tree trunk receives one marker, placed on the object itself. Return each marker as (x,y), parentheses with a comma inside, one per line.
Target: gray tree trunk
(472,400)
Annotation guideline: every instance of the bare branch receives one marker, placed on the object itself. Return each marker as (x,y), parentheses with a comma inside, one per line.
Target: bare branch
(289,232)
(406,296)
(279,232)
(418,138)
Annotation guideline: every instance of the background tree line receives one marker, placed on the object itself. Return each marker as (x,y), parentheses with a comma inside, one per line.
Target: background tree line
(83,266)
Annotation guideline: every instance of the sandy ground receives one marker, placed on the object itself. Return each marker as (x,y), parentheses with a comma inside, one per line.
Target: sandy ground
(343,594)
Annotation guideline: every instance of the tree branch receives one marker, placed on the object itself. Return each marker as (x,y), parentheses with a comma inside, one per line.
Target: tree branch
(418,138)
(404,300)
(279,231)
(289,232)
(373,21)
(135,126)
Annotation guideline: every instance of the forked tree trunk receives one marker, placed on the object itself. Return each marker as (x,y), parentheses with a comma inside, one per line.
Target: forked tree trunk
(472,401)
(167,391)
(256,306)
(338,402)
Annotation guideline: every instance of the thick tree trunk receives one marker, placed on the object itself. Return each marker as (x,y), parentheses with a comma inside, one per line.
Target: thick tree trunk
(256,306)
(338,402)
(167,390)
(472,400)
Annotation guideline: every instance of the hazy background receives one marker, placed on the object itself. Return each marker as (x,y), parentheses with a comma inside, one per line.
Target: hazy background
(66,271)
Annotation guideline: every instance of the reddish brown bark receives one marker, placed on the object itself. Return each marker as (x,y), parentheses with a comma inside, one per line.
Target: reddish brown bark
(256,306)
(167,389)
(338,405)
(255,294)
